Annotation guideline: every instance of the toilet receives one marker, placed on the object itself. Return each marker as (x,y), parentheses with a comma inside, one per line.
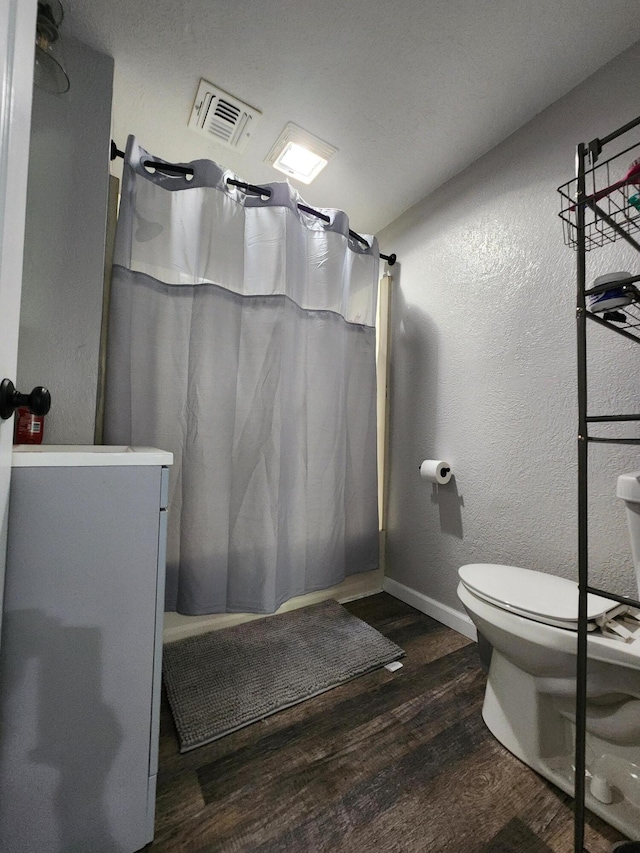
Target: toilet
(530,620)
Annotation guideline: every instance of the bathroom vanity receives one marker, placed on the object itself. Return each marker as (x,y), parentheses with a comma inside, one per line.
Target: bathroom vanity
(81,649)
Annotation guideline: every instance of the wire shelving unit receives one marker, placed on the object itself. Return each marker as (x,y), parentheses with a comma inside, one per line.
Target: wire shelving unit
(598,207)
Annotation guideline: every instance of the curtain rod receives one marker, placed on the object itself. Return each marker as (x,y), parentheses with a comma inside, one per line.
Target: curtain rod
(171,169)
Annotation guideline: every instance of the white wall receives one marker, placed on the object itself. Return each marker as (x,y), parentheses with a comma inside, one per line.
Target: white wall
(483,362)
(64,244)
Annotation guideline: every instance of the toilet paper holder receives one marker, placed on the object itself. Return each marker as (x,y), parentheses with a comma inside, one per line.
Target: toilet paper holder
(436,471)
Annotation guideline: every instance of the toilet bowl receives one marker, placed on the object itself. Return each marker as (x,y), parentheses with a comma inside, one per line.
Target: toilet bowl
(530,620)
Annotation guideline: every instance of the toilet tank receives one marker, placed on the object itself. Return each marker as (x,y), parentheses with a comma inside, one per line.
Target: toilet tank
(629,491)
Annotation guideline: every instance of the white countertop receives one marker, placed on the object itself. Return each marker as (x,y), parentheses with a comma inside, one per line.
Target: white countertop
(75,455)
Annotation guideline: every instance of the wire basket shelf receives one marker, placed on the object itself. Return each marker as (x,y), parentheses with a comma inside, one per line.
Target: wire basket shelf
(612,202)
(625,320)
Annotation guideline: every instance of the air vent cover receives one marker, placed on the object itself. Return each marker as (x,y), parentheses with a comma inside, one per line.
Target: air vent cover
(223,118)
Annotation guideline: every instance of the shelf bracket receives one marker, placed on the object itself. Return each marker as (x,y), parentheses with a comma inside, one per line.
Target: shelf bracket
(595,149)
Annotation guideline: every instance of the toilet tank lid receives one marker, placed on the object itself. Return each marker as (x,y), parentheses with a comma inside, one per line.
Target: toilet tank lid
(531,594)
(629,487)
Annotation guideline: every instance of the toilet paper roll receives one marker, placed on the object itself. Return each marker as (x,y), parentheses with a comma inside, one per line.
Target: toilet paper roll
(436,471)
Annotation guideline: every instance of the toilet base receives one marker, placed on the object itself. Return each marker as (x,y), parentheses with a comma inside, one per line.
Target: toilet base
(531,726)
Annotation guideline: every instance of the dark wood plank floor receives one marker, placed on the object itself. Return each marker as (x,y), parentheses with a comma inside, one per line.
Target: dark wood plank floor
(389,762)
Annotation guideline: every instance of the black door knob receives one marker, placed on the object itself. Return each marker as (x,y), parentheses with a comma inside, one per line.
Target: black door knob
(38,401)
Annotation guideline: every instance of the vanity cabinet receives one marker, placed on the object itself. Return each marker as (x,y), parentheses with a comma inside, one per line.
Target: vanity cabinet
(81,649)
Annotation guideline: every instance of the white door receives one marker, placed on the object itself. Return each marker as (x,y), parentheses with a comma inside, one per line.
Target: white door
(17,39)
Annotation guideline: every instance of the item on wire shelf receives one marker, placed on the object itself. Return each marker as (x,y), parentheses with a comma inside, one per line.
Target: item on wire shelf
(632,178)
(615,297)
(614,317)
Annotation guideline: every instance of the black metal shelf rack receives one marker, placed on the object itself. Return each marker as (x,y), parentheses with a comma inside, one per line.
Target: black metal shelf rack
(598,207)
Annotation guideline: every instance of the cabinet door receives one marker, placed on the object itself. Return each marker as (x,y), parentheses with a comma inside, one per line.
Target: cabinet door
(76,668)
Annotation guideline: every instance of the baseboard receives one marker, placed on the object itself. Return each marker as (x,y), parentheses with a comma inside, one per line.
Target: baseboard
(459,622)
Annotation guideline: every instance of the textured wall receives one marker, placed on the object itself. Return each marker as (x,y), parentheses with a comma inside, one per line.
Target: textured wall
(64,244)
(483,362)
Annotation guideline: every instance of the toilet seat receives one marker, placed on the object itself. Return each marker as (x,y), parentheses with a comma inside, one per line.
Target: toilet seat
(534,595)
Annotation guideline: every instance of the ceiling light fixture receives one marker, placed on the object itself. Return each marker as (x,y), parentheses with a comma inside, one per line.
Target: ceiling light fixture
(300,154)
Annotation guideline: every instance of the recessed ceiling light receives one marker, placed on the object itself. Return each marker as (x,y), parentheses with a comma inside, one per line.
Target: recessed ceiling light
(299,154)
(298,161)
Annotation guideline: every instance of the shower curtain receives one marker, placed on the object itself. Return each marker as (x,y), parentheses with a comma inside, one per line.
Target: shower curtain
(242,339)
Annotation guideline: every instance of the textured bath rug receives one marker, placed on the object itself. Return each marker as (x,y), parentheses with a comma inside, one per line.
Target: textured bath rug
(223,680)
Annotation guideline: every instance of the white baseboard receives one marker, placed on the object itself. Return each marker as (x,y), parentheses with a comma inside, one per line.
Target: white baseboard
(459,622)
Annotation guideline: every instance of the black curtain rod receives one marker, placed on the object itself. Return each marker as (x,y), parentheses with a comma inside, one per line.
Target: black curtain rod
(174,169)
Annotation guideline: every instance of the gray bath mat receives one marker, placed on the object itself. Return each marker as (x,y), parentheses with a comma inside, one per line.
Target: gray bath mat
(223,680)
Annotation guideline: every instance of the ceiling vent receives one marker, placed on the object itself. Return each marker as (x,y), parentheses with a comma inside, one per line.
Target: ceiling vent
(223,118)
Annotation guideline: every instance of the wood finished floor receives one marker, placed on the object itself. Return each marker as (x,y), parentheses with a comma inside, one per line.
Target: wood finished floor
(388,762)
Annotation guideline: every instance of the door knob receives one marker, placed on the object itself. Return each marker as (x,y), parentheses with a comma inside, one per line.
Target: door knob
(38,401)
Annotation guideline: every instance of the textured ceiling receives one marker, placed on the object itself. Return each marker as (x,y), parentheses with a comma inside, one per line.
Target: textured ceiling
(409,91)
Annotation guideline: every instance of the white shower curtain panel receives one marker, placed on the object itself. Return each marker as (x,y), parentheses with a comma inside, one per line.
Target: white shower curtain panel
(241,338)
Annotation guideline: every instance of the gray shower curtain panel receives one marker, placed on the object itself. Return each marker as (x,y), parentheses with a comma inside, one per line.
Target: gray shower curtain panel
(242,339)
